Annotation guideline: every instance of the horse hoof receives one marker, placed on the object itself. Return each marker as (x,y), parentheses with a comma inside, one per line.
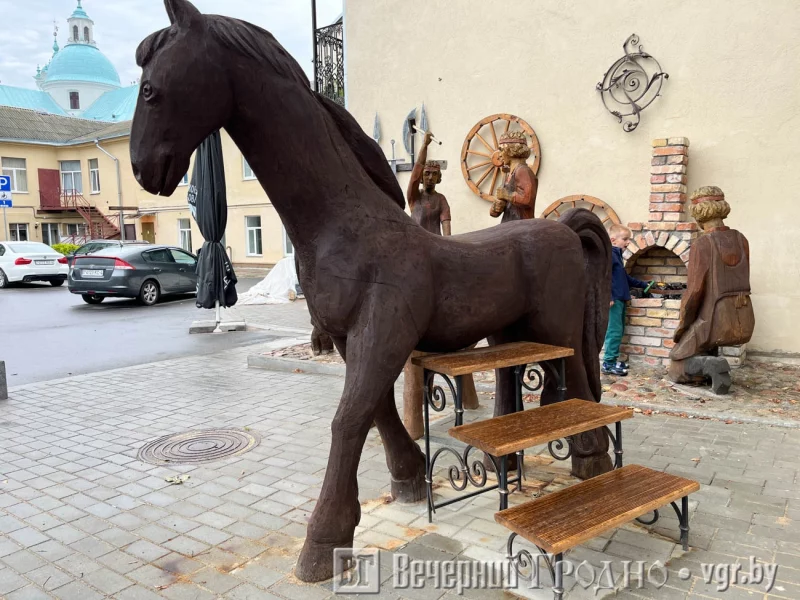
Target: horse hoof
(316,561)
(586,467)
(411,490)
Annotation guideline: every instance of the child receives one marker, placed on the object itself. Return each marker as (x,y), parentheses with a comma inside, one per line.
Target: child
(621,283)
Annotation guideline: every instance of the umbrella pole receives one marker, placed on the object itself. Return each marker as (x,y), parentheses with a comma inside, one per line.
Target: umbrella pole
(218,318)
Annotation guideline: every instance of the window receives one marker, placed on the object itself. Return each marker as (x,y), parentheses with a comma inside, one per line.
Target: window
(248,172)
(50,234)
(182,258)
(75,33)
(17,170)
(71,182)
(19,232)
(185,234)
(288,248)
(253,226)
(74,101)
(185,180)
(162,255)
(94,175)
(86,34)
(76,229)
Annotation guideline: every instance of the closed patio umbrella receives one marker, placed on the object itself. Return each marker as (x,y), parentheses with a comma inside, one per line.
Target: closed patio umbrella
(207,201)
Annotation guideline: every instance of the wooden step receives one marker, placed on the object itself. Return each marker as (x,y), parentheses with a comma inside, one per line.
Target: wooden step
(566,518)
(465,362)
(499,436)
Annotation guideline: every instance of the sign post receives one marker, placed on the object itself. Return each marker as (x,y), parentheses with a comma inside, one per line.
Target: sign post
(6,202)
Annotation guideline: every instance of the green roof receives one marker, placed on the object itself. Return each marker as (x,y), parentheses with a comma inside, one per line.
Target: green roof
(29,99)
(81,62)
(114,106)
(28,126)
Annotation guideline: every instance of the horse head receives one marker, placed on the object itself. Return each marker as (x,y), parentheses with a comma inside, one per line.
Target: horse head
(184,96)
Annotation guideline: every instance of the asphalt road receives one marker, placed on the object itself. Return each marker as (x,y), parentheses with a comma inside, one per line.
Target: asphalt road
(47,333)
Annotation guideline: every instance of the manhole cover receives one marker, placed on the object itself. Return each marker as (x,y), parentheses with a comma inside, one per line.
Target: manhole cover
(194,447)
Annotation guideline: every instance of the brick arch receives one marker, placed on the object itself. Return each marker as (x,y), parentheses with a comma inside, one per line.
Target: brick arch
(642,242)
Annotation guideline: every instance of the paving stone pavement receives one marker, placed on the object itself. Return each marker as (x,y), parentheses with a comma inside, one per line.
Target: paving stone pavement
(81,518)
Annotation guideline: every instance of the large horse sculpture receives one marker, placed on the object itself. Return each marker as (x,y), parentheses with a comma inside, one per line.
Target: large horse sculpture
(380,285)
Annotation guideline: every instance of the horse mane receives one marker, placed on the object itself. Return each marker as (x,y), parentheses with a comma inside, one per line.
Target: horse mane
(259,44)
(367,151)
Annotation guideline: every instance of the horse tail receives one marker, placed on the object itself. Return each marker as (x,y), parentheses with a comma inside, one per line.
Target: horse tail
(597,263)
(367,151)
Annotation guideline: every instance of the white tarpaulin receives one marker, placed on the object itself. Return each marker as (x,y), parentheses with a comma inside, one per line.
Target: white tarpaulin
(278,287)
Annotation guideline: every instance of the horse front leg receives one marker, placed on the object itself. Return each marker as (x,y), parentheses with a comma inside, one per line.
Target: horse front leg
(373,365)
(405,460)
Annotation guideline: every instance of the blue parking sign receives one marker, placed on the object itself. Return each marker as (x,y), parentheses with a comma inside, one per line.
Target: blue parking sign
(5,183)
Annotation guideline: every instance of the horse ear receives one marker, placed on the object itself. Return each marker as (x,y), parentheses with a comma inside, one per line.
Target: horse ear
(181,12)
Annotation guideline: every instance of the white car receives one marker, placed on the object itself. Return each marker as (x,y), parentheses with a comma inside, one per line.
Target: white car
(31,261)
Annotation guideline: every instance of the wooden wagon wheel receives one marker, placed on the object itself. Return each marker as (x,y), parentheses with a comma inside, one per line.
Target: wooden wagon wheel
(607,214)
(480,154)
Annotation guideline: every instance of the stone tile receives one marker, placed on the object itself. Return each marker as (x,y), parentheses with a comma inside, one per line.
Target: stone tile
(10,581)
(49,577)
(137,592)
(146,551)
(28,537)
(215,581)
(120,562)
(77,591)
(249,592)
(24,561)
(29,593)
(258,575)
(209,535)
(178,564)
(152,577)
(78,565)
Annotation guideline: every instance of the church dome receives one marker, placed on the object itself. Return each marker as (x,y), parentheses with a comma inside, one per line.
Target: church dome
(82,63)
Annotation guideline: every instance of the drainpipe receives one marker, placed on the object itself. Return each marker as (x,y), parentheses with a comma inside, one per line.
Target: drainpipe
(119,189)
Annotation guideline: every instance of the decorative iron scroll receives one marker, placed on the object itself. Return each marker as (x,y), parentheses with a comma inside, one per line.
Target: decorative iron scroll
(464,472)
(330,61)
(631,84)
(555,447)
(532,379)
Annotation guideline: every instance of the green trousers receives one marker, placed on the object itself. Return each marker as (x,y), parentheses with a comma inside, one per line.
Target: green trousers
(616,327)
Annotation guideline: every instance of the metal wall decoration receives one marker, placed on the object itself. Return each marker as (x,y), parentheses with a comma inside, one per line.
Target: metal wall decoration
(408,134)
(631,84)
(329,66)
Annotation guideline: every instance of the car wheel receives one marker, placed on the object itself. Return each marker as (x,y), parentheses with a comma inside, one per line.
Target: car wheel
(56,282)
(92,299)
(149,294)
(3,280)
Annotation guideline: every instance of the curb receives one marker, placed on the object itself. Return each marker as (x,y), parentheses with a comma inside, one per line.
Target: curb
(293,365)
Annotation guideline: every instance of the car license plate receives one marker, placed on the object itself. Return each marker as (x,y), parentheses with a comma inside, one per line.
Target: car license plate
(91,273)
(45,262)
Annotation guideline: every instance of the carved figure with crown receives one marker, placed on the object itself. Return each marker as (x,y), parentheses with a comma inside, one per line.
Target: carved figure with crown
(516,198)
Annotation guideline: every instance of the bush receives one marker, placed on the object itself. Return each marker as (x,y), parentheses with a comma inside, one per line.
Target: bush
(65,249)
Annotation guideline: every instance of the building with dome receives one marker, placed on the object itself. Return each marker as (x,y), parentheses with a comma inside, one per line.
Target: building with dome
(61,142)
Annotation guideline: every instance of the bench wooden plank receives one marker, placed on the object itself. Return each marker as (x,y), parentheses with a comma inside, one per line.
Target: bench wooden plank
(566,518)
(465,362)
(510,433)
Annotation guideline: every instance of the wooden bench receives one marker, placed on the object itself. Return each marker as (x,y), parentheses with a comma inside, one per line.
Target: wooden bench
(500,437)
(564,519)
(458,364)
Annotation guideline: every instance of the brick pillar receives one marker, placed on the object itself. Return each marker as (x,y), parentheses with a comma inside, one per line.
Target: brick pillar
(668,179)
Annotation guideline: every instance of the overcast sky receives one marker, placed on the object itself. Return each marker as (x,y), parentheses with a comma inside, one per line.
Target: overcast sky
(26,38)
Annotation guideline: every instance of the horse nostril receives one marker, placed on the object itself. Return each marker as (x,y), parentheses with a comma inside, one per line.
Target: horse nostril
(136,173)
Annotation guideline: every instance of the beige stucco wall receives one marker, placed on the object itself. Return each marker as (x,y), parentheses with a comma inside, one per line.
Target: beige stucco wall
(733,91)
(245,197)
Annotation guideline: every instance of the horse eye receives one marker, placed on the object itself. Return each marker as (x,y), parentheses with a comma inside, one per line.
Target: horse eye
(147,91)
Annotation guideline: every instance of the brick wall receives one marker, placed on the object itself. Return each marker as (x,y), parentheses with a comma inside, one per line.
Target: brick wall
(659,251)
